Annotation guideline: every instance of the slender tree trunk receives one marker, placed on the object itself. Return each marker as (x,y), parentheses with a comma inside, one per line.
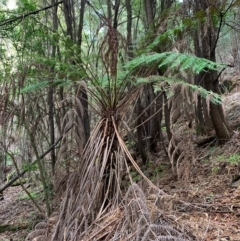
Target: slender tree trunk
(82,93)
(150,7)
(200,123)
(76,37)
(51,123)
(51,95)
(67,9)
(129,28)
(154,121)
(139,124)
(167,112)
(80,25)
(159,109)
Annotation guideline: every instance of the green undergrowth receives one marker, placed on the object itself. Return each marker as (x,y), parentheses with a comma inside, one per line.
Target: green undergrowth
(231,159)
(15,227)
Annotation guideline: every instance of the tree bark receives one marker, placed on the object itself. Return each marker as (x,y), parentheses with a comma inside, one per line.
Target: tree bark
(76,37)
(139,124)
(51,95)
(209,40)
(149,6)
(167,111)
(129,28)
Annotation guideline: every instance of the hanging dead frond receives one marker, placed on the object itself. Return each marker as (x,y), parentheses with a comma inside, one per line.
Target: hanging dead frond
(71,146)
(112,42)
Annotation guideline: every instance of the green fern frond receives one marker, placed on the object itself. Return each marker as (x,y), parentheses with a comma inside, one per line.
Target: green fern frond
(164,83)
(168,35)
(186,63)
(34,87)
(173,60)
(43,84)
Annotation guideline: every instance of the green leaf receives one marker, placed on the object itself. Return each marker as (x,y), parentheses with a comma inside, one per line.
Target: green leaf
(174,61)
(163,83)
(35,86)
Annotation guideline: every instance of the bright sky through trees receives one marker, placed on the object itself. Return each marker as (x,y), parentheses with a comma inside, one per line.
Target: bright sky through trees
(11,4)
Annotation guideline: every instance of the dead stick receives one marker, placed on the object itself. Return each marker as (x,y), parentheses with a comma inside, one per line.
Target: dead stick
(25,170)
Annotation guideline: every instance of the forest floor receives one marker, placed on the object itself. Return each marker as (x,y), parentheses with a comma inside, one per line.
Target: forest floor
(18,215)
(210,190)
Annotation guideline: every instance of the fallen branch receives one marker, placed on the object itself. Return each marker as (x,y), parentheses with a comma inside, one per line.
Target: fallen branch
(27,169)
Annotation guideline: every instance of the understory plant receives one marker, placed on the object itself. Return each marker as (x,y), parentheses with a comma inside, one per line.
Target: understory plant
(94,185)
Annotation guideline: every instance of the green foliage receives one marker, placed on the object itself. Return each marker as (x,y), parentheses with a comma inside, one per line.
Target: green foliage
(158,171)
(27,5)
(35,195)
(35,86)
(234,159)
(43,84)
(191,23)
(164,83)
(30,167)
(174,61)
(231,159)
(169,35)
(215,169)
(135,176)
(20,181)
(11,175)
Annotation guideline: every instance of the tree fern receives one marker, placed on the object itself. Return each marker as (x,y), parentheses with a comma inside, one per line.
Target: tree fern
(176,62)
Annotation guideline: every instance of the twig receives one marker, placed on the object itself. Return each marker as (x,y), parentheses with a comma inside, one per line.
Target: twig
(22,16)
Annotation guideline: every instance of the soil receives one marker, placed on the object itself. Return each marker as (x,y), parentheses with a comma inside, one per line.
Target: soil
(206,197)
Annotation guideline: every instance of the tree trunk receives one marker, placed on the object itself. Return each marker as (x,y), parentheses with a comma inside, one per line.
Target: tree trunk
(200,123)
(139,124)
(210,80)
(149,6)
(76,37)
(129,28)
(51,95)
(167,111)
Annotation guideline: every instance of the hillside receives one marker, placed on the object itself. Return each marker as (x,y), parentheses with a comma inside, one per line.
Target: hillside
(201,202)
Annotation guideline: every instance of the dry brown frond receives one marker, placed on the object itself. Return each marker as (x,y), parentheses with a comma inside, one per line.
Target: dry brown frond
(72,144)
(109,48)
